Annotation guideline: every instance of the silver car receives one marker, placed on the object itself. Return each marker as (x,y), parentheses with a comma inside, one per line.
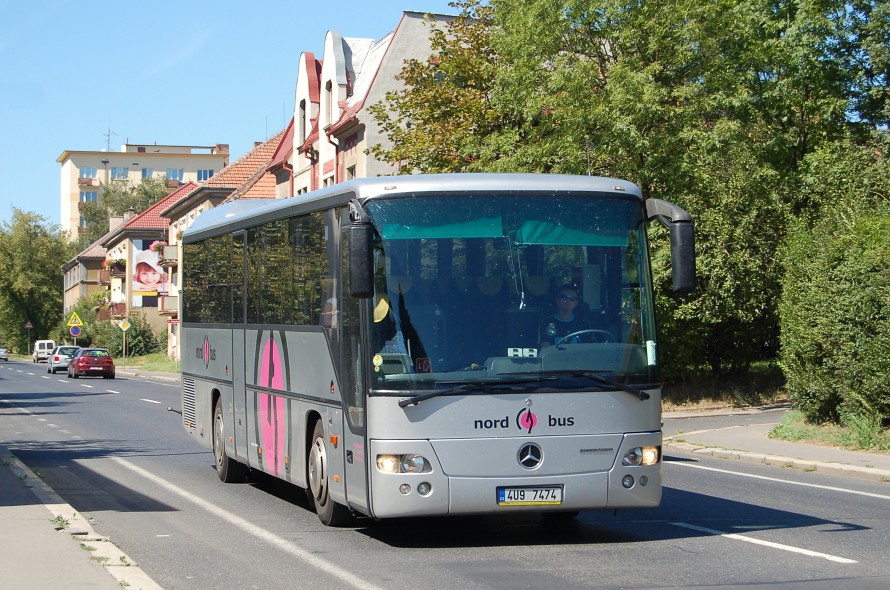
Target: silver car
(59,357)
(4,353)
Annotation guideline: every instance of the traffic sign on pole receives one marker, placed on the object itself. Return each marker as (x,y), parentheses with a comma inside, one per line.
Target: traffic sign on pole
(75,320)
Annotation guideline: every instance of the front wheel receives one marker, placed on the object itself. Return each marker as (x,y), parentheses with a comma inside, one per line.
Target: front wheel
(227,469)
(329,512)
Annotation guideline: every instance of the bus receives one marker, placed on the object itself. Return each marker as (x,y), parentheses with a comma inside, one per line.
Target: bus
(389,344)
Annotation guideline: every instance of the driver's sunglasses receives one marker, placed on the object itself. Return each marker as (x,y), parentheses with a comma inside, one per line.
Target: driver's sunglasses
(568,297)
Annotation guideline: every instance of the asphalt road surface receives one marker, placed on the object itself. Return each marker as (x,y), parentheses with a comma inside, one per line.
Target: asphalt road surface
(113,451)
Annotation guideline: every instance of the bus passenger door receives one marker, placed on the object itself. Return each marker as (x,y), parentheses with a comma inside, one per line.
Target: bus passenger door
(352,384)
(239,393)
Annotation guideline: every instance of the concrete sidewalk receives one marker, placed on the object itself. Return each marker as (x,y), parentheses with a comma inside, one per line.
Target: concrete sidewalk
(752,443)
(46,544)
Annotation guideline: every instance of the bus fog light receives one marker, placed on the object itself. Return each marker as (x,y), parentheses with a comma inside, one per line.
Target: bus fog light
(424,488)
(413,464)
(388,463)
(405,489)
(628,481)
(644,480)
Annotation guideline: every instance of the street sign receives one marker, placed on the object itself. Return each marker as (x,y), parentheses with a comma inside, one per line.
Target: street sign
(124,325)
(74,331)
(28,325)
(75,320)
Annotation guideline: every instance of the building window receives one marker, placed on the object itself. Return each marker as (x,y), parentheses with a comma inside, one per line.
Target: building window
(204,175)
(89,196)
(120,173)
(350,173)
(174,174)
(88,173)
(146,173)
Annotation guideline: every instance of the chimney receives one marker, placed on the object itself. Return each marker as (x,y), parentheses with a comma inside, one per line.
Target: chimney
(115,221)
(220,148)
(129,213)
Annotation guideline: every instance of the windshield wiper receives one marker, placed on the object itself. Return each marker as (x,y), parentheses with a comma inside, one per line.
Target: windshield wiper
(594,376)
(480,384)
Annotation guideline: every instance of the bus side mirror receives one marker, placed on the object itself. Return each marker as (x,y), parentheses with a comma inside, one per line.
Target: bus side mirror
(682,230)
(361,260)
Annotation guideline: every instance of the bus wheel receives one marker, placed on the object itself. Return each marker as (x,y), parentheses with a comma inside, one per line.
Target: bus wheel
(329,512)
(227,469)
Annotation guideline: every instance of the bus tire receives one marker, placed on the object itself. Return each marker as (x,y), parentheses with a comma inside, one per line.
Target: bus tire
(329,512)
(228,470)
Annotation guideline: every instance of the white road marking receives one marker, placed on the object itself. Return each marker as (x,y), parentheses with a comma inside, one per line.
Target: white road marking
(780,546)
(794,483)
(87,386)
(151,401)
(258,532)
(112,391)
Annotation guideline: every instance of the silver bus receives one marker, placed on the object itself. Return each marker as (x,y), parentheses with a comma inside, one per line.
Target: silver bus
(402,346)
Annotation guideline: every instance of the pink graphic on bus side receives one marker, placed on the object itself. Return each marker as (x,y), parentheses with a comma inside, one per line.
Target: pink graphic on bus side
(272,414)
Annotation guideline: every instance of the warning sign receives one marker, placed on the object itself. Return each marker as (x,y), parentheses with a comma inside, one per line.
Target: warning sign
(75,320)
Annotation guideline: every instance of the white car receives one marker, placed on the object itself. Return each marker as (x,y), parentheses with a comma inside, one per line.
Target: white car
(59,357)
(4,353)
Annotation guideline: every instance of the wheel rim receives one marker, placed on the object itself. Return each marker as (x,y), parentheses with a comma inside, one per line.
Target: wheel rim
(318,479)
(217,440)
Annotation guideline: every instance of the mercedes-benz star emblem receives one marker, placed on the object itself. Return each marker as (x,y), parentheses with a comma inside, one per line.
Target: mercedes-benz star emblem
(530,456)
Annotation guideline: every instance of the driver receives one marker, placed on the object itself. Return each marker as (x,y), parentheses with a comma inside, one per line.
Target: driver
(553,328)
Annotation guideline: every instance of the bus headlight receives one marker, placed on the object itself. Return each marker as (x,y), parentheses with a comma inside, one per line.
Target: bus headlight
(403,464)
(641,456)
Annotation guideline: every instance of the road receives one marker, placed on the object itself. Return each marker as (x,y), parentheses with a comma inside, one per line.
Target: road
(113,452)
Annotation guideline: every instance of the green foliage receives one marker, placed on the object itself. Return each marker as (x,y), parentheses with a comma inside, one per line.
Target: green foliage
(835,308)
(141,339)
(31,255)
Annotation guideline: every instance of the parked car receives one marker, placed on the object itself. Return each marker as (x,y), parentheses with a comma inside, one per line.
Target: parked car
(41,351)
(91,362)
(59,357)
(4,353)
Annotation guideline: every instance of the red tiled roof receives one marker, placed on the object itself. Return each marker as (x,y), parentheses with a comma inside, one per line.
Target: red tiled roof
(241,170)
(260,184)
(151,218)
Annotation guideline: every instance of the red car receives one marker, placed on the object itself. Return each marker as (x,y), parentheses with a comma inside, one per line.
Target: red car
(91,362)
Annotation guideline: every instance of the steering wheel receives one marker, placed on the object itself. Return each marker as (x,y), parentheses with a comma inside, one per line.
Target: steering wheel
(602,337)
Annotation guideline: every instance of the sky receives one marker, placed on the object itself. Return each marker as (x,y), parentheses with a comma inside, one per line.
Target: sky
(88,75)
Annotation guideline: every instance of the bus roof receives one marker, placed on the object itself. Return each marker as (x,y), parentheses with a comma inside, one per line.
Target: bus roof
(245,213)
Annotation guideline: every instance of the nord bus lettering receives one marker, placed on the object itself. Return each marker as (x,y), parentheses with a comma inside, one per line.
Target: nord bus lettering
(527,424)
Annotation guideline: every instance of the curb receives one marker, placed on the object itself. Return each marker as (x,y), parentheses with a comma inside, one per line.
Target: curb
(867,473)
(65,518)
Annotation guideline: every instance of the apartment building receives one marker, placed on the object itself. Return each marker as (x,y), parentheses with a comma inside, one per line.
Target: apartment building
(85,173)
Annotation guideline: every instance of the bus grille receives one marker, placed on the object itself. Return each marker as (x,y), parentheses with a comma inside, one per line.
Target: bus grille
(188,402)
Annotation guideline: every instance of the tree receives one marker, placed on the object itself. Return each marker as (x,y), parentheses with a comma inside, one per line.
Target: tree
(117,198)
(31,282)
(435,124)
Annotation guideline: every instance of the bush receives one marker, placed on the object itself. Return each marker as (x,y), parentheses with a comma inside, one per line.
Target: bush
(141,340)
(835,314)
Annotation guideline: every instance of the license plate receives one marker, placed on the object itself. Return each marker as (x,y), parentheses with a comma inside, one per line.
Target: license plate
(95,368)
(530,496)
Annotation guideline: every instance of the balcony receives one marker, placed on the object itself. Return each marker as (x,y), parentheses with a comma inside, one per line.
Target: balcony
(103,313)
(87,182)
(172,184)
(104,277)
(169,257)
(168,305)
(118,270)
(118,310)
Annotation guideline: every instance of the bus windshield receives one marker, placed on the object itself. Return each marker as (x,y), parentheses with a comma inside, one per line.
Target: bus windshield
(488,289)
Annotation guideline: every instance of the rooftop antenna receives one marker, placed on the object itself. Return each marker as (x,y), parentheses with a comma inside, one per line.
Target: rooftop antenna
(108,135)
